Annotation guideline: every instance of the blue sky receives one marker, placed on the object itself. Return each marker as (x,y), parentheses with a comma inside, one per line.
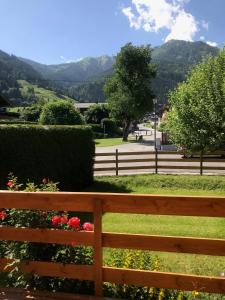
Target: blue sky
(57,31)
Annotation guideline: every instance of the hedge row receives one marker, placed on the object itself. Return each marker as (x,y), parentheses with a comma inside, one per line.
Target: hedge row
(63,154)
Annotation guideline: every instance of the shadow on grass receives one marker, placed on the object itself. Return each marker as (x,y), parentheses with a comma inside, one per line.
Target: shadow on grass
(107,187)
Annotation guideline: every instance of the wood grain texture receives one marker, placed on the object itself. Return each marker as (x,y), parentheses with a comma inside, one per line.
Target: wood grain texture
(118,203)
(52,236)
(82,272)
(164,243)
(98,255)
(46,201)
(165,280)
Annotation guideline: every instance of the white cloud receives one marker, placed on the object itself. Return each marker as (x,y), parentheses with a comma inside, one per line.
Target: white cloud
(213,44)
(154,15)
(67,60)
(184,27)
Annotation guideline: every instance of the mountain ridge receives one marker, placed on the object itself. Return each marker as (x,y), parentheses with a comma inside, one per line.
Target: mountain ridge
(84,80)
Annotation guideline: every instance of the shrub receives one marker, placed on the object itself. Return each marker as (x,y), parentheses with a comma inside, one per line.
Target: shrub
(96,113)
(137,259)
(20,251)
(60,113)
(31,113)
(63,153)
(111,127)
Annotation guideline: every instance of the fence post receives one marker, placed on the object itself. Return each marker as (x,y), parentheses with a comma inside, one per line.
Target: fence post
(98,261)
(117,162)
(201,163)
(156,161)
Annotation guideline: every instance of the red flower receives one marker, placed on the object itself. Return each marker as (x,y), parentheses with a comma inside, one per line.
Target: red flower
(74,222)
(88,226)
(10,183)
(64,220)
(56,220)
(73,244)
(3,215)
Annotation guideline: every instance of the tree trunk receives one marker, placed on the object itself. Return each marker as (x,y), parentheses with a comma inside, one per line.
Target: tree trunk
(126,130)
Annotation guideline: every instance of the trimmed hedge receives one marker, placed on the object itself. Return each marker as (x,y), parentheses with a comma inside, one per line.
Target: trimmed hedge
(63,154)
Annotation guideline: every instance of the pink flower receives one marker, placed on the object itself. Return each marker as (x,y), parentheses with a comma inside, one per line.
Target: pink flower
(44,180)
(56,220)
(10,183)
(64,220)
(3,215)
(74,222)
(88,226)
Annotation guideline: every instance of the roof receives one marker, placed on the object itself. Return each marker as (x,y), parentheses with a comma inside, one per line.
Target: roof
(85,105)
(3,102)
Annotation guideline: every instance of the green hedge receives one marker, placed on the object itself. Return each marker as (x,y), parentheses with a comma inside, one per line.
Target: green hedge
(63,154)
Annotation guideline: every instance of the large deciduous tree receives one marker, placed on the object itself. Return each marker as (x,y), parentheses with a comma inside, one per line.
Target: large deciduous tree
(197,115)
(129,91)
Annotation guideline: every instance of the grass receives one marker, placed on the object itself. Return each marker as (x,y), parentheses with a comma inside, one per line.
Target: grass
(40,93)
(168,225)
(111,142)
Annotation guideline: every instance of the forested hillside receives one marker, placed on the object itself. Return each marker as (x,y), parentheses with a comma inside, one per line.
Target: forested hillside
(84,80)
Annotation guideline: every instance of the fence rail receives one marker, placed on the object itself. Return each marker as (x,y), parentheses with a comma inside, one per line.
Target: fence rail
(100,203)
(158,161)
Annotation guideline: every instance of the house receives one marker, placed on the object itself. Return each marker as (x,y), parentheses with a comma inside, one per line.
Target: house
(84,106)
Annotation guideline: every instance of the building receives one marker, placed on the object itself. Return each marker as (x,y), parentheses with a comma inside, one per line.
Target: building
(84,106)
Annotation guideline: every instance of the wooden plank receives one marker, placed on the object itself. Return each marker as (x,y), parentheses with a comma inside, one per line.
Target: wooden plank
(98,256)
(165,243)
(46,201)
(165,280)
(179,167)
(137,167)
(164,205)
(82,272)
(104,169)
(213,168)
(136,160)
(207,206)
(44,235)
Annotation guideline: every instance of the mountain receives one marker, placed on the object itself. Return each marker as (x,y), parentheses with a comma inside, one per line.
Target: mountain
(173,59)
(12,69)
(75,71)
(84,80)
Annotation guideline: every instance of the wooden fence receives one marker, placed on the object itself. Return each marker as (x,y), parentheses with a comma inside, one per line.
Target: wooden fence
(100,203)
(158,161)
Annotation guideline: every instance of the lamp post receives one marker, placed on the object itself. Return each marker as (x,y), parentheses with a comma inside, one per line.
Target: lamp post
(155,102)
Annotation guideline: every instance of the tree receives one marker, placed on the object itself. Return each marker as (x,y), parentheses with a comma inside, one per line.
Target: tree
(60,113)
(96,113)
(129,91)
(196,119)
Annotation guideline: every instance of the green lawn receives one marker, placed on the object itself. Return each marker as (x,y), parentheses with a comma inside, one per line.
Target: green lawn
(111,142)
(169,225)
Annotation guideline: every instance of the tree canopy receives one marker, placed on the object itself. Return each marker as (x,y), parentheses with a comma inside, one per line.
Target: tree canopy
(96,113)
(60,113)
(129,91)
(196,119)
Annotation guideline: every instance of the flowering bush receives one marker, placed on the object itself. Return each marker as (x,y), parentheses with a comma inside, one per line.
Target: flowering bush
(43,252)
